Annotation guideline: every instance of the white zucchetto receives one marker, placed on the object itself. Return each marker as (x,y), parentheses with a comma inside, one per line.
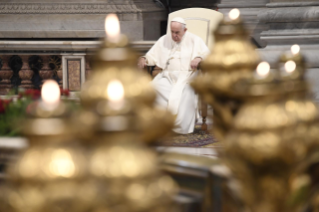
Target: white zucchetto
(179,20)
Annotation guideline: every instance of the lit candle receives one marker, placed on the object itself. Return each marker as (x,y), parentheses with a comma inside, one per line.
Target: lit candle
(234,14)
(295,49)
(262,70)
(50,94)
(115,92)
(112,28)
(290,66)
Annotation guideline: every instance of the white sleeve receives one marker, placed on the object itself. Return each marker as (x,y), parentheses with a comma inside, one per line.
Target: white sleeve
(202,50)
(152,56)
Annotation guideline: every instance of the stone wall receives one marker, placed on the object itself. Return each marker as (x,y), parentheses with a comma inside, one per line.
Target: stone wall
(78,19)
(289,23)
(249,10)
(178,5)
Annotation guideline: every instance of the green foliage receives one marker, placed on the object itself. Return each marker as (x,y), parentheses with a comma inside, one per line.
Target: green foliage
(12,114)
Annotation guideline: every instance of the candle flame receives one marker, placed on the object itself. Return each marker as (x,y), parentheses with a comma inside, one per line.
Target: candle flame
(112,27)
(50,92)
(115,90)
(295,49)
(263,69)
(290,66)
(234,14)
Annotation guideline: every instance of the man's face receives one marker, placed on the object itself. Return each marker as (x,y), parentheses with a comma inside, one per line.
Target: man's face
(177,31)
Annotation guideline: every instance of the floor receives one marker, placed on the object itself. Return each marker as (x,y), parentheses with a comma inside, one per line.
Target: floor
(210,150)
(206,151)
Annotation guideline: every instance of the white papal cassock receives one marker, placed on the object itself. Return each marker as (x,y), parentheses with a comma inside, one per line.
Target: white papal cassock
(172,84)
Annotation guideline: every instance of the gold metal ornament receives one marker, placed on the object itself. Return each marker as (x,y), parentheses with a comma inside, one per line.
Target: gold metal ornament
(118,102)
(232,59)
(266,118)
(116,63)
(52,174)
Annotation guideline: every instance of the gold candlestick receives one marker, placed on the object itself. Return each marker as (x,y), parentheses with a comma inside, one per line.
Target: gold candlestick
(118,102)
(52,174)
(116,62)
(232,59)
(265,117)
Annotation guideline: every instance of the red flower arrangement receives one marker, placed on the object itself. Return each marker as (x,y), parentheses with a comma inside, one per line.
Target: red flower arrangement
(2,109)
(36,94)
(32,93)
(64,92)
(3,104)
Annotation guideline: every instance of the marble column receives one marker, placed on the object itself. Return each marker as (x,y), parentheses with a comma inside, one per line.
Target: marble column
(88,69)
(59,72)
(249,11)
(292,22)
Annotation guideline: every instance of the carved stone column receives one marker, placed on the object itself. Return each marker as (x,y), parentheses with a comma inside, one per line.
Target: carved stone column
(292,22)
(249,10)
(5,74)
(45,73)
(88,69)
(60,75)
(25,73)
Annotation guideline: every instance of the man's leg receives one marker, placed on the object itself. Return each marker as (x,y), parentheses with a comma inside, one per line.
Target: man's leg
(163,90)
(186,116)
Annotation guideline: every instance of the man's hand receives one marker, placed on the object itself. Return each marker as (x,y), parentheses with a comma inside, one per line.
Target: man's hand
(195,62)
(141,63)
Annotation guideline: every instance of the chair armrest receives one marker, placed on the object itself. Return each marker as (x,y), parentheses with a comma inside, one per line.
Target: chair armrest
(156,71)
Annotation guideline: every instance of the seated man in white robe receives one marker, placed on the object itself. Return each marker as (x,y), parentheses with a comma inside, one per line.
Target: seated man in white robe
(179,55)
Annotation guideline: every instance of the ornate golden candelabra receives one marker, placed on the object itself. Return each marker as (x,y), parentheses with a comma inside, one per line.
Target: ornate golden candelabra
(232,59)
(118,111)
(266,117)
(118,100)
(52,174)
(115,63)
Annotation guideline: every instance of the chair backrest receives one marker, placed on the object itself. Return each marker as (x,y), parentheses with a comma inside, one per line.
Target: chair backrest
(200,22)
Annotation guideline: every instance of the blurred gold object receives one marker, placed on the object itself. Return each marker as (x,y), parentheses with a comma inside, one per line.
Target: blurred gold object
(119,114)
(115,62)
(266,118)
(52,174)
(232,59)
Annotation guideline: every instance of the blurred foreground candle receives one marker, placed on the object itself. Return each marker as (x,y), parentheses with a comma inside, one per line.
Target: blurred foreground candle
(115,92)
(295,49)
(112,28)
(234,14)
(50,94)
(290,66)
(262,70)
